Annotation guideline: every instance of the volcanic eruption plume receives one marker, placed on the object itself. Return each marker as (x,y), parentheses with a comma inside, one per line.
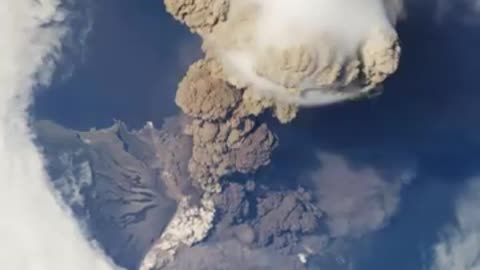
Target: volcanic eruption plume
(307,52)
(260,55)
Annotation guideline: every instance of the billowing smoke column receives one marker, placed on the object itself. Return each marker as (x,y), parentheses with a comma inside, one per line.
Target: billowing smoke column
(279,55)
(259,55)
(307,52)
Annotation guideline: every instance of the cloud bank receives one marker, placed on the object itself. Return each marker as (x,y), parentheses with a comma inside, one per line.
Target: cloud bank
(459,248)
(36,230)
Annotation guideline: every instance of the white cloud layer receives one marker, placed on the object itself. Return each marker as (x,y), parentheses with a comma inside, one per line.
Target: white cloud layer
(459,248)
(36,232)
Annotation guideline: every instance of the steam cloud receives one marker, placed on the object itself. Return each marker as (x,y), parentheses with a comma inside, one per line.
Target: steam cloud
(37,232)
(308,52)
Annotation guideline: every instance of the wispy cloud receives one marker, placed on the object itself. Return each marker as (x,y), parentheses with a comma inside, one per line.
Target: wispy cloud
(459,248)
(37,232)
(467,11)
(356,200)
